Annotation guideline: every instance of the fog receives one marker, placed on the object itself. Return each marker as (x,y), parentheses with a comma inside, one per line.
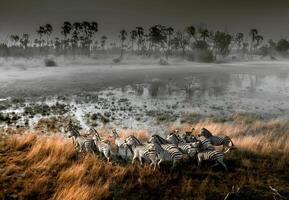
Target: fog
(134,93)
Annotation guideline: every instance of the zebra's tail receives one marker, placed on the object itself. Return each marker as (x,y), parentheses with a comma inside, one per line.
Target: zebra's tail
(230,147)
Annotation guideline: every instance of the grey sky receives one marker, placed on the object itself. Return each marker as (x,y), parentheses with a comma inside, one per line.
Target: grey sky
(270,17)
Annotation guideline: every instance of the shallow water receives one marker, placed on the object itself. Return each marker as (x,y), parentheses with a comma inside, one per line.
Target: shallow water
(129,93)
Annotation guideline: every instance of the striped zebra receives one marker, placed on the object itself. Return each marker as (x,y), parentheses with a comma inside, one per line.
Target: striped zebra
(102,147)
(218,140)
(117,140)
(216,156)
(141,151)
(188,137)
(189,148)
(166,151)
(81,143)
(205,144)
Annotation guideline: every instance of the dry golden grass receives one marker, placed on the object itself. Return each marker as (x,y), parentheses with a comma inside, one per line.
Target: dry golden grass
(48,167)
(262,137)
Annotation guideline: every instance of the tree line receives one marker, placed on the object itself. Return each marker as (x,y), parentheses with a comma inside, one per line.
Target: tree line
(193,42)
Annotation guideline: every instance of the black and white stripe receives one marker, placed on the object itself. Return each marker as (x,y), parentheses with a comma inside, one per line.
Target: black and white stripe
(141,151)
(189,148)
(205,144)
(218,140)
(214,155)
(102,147)
(117,140)
(167,151)
(81,143)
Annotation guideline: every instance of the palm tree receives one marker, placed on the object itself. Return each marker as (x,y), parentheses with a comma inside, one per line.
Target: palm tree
(133,36)
(253,33)
(122,36)
(66,29)
(169,31)
(204,32)
(191,31)
(259,39)
(140,37)
(48,31)
(41,32)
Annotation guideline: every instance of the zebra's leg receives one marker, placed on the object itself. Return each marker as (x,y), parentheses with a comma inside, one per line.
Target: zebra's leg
(125,151)
(133,159)
(199,162)
(174,165)
(220,161)
(159,163)
(140,159)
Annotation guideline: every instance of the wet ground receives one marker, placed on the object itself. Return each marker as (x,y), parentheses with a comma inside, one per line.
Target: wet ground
(145,95)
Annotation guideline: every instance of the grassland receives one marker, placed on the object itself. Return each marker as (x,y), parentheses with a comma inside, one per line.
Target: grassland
(48,167)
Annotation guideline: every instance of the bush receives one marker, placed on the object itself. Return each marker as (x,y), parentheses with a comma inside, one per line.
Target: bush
(50,62)
(163,61)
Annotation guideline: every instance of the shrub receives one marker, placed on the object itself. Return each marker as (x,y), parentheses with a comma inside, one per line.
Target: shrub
(49,62)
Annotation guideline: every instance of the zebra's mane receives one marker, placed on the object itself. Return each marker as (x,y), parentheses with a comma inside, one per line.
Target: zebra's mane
(206,132)
(175,137)
(115,133)
(136,140)
(160,139)
(94,132)
(73,129)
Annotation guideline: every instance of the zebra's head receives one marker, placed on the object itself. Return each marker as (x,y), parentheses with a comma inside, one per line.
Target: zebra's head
(114,133)
(95,134)
(71,130)
(173,138)
(205,133)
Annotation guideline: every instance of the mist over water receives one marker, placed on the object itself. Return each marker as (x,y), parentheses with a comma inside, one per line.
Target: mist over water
(135,96)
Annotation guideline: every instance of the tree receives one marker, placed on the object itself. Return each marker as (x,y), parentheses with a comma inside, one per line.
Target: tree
(140,37)
(133,36)
(14,39)
(48,31)
(282,46)
(259,39)
(103,42)
(238,39)
(66,29)
(122,37)
(157,36)
(24,40)
(191,31)
(170,32)
(182,41)
(203,31)
(41,32)
(253,33)
(222,43)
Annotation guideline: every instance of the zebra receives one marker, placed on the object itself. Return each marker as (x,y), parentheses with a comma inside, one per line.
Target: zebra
(141,151)
(166,151)
(79,141)
(102,147)
(214,155)
(205,144)
(218,140)
(117,140)
(188,136)
(188,148)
